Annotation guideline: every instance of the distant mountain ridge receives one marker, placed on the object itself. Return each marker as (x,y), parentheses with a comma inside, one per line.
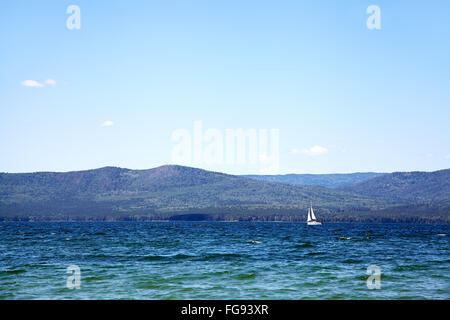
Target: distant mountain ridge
(175,193)
(158,192)
(407,187)
(334,180)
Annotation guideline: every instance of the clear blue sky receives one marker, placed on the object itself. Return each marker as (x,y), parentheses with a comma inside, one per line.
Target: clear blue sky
(375,100)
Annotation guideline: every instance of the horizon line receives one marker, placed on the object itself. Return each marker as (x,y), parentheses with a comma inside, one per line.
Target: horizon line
(198,168)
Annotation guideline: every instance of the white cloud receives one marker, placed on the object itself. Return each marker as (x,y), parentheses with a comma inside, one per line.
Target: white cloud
(107,123)
(313,151)
(32,83)
(37,84)
(50,82)
(447,157)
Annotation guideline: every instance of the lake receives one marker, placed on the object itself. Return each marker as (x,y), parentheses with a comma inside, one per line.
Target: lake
(223,260)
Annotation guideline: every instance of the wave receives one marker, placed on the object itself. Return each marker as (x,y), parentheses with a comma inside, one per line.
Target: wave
(412,267)
(351,261)
(316,253)
(245,276)
(222,256)
(95,278)
(17,271)
(149,285)
(162,257)
(303,245)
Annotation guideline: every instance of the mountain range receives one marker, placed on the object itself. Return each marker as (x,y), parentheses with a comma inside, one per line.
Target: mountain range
(334,180)
(174,192)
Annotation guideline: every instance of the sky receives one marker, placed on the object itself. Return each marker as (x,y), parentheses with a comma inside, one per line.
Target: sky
(341,97)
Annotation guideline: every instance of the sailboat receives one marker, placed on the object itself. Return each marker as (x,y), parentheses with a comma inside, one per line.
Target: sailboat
(312,221)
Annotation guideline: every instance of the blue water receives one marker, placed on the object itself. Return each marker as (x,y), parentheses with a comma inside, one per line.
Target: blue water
(219,260)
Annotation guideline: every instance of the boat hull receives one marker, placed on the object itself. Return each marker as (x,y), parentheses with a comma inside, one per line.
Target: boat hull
(314,223)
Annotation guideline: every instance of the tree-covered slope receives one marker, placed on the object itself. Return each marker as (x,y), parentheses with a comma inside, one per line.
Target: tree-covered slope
(407,187)
(163,189)
(177,192)
(334,180)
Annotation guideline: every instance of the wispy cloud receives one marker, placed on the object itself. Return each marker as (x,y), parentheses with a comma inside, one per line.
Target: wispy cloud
(313,151)
(107,123)
(447,157)
(32,84)
(50,82)
(37,84)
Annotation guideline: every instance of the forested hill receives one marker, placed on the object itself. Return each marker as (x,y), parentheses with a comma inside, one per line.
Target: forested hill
(334,180)
(407,187)
(160,192)
(177,192)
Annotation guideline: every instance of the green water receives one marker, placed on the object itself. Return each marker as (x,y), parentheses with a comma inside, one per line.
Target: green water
(215,260)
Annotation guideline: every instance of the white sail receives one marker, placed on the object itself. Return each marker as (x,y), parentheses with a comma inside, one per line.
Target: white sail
(312,221)
(313,217)
(309,215)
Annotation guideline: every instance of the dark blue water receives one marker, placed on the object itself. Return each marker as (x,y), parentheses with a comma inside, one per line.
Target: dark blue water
(218,260)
